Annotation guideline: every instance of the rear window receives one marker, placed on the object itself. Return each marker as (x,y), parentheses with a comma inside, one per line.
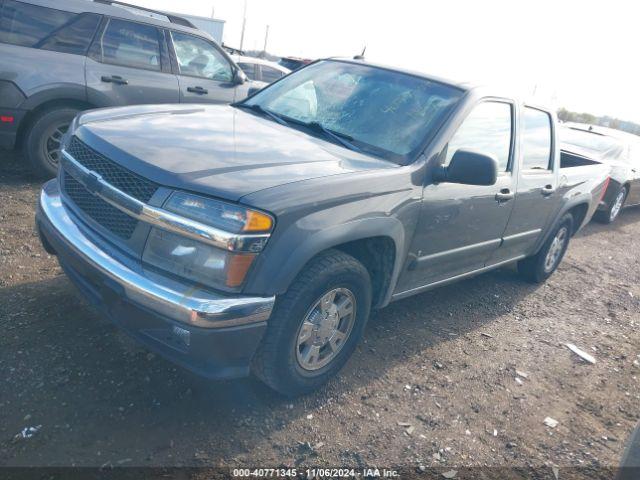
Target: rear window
(46,28)
(270,74)
(249,69)
(131,44)
(536,140)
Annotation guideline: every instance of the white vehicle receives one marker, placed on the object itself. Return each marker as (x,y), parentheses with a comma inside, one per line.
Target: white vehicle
(260,72)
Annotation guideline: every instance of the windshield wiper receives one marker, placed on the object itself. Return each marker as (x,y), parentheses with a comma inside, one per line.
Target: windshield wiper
(257,108)
(342,138)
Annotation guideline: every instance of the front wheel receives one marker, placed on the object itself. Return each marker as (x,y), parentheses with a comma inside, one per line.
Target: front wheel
(539,267)
(613,212)
(316,325)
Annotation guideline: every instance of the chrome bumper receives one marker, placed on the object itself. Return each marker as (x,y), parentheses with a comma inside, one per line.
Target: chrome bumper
(165,296)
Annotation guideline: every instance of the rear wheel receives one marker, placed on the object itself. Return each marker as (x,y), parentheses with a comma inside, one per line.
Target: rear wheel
(539,267)
(43,140)
(316,325)
(613,212)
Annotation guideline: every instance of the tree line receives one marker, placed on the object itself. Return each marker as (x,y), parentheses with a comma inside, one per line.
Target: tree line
(604,121)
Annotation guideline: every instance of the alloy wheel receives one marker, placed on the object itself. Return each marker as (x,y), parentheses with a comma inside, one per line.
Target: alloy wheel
(556,249)
(325,329)
(617,205)
(53,143)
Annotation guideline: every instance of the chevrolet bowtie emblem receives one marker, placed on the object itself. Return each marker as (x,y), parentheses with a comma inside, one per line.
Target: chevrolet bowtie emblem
(92,182)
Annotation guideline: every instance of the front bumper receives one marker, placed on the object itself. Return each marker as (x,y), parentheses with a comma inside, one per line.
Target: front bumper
(212,334)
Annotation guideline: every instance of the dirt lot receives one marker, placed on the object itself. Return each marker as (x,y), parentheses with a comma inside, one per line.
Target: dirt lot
(434,384)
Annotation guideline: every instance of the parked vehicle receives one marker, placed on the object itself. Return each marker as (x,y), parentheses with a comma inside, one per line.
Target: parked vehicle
(260,72)
(619,150)
(294,63)
(259,236)
(58,58)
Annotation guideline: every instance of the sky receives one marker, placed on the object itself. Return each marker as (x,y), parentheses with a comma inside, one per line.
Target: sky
(581,55)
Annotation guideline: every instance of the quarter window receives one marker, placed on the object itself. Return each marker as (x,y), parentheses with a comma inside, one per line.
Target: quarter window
(199,58)
(487,130)
(536,140)
(131,44)
(46,28)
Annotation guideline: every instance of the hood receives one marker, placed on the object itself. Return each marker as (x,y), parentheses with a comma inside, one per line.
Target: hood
(593,155)
(216,150)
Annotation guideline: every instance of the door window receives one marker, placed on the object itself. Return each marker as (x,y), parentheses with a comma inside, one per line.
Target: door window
(46,28)
(486,130)
(131,45)
(249,69)
(270,74)
(199,58)
(536,140)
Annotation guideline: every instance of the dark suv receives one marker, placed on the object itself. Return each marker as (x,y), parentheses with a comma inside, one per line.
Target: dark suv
(60,57)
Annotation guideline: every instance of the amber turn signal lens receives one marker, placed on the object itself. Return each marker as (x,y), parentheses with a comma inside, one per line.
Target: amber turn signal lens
(237,269)
(257,222)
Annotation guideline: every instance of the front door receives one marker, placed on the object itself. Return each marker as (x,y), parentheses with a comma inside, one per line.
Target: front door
(128,65)
(461,226)
(204,72)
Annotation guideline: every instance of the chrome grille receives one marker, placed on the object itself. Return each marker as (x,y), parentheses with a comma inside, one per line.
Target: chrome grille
(111,172)
(109,217)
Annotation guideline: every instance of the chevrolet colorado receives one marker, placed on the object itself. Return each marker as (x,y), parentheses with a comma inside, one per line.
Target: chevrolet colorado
(257,237)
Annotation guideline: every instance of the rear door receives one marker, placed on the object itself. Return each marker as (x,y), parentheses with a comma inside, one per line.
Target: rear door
(537,198)
(128,64)
(204,72)
(461,226)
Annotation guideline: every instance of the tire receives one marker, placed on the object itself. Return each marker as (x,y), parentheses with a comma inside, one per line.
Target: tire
(613,211)
(279,361)
(541,266)
(40,140)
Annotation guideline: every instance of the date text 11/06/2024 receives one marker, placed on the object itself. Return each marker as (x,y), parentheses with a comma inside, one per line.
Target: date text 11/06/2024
(314,473)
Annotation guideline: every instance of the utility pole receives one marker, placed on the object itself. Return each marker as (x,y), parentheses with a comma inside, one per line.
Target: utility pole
(266,38)
(244,24)
(213,11)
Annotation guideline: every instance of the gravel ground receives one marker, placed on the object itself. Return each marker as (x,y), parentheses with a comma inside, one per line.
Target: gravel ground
(434,384)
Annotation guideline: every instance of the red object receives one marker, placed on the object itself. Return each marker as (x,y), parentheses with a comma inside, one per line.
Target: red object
(606,185)
(6,119)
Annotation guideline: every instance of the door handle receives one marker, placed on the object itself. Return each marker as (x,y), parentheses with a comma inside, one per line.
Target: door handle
(117,79)
(198,90)
(504,195)
(547,190)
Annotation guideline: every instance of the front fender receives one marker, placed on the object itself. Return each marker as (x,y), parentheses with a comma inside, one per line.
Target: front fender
(281,262)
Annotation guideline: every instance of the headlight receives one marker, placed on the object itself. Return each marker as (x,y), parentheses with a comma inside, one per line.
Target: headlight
(225,216)
(196,261)
(199,261)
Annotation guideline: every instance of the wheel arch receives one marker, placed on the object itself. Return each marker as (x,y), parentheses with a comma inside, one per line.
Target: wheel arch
(48,105)
(579,213)
(378,243)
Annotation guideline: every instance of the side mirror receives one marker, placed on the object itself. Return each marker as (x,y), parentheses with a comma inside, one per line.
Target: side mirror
(469,168)
(239,77)
(253,91)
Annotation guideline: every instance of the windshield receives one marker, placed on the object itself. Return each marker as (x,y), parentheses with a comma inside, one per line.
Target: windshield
(601,146)
(382,112)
